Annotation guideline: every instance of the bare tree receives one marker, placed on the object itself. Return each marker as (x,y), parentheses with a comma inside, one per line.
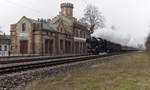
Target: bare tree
(93,18)
(1,30)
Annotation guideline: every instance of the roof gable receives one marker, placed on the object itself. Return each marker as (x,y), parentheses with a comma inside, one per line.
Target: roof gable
(24,17)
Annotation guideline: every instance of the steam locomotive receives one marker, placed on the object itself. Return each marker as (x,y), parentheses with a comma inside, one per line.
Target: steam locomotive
(98,45)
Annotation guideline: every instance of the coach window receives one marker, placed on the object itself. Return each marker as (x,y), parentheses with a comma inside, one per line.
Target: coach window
(23,27)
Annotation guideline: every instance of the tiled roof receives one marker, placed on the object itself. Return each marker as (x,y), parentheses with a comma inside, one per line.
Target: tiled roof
(46,27)
(4,39)
(33,20)
(50,27)
(4,36)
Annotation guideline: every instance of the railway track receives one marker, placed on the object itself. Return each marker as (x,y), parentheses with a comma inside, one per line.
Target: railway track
(33,58)
(47,62)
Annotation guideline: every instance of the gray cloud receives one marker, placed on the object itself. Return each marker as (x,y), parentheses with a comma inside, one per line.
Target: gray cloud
(129,16)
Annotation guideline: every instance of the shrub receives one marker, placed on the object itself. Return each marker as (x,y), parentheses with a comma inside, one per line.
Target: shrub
(148,44)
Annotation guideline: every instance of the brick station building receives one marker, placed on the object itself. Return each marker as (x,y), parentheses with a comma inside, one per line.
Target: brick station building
(4,45)
(61,35)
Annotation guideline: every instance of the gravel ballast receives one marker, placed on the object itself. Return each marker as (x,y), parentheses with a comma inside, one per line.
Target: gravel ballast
(18,81)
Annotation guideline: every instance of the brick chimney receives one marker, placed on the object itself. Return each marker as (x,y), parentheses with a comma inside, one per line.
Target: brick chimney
(67,9)
(48,21)
(13,27)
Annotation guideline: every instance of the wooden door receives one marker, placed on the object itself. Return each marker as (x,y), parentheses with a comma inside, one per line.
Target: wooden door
(24,46)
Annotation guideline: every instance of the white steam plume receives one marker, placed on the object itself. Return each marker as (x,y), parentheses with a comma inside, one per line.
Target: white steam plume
(113,36)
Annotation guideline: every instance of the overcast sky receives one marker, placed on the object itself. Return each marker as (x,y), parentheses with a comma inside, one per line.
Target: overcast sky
(131,17)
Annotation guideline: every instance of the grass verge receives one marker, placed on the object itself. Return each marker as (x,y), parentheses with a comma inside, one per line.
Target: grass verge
(125,73)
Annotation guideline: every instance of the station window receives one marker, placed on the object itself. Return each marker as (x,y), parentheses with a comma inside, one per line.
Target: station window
(0,48)
(5,48)
(23,27)
(80,33)
(61,30)
(76,33)
(84,34)
(61,44)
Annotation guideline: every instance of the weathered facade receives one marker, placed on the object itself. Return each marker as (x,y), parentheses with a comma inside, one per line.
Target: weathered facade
(4,45)
(61,35)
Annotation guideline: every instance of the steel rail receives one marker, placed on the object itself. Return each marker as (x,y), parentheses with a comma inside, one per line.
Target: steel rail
(30,59)
(31,66)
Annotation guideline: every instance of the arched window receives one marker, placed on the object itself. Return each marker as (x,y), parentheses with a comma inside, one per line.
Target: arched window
(81,34)
(76,33)
(5,48)
(84,35)
(23,27)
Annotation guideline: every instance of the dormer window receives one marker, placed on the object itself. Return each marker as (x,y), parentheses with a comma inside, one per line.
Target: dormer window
(23,27)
